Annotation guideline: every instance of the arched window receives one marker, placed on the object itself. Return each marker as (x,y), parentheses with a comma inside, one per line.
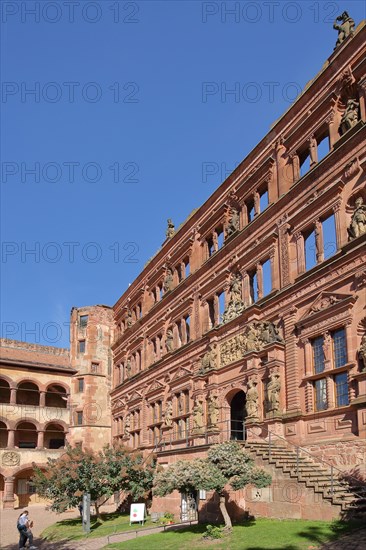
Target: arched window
(56,396)
(4,391)
(28,394)
(26,436)
(54,437)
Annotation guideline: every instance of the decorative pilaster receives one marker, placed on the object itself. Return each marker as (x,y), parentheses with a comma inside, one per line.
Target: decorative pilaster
(299,238)
(340,236)
(291,362)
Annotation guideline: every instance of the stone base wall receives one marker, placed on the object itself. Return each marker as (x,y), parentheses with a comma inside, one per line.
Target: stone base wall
(348,456)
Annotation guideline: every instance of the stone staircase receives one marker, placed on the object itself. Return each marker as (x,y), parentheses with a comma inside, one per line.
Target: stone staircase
(316,475)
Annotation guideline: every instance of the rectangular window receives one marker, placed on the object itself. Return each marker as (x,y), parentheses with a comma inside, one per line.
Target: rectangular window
(339,348)
(341,387)
(263,200)
(321,403)
(220,237)
(79,418)
(304,164)
(80,385)
(187,267)
(186,400)
(187,321)
(221,301)
(250,210)
(210,247)
(83,321)
(267,277)
(310,250)
(318,354)
(329,236)
(81,346)
(94,368)
(323,148)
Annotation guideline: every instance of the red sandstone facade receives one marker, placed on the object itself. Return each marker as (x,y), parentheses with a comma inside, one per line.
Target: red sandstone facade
(251,317)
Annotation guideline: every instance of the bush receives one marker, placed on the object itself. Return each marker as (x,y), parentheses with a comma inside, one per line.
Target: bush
(167,518)
(213,532)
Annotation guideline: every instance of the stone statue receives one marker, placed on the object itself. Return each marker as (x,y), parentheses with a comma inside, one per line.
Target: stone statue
(168,281)
(362,353)
(236,305)
(170,229)
(350,116)
(269,333)
(168,413)
(213,411)
(128,368)
(358,221)
(209,360)
(273,392)
(252,342)
(252,398)
(197,415)
(344,29)
(233,224)
(169,343)
(129,321)
(127,425)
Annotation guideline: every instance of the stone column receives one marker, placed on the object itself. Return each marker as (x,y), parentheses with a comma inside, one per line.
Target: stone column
(333,130)
(257,208)
(40,439)
(9,498)
(13,396)
(295,166)
(340,234)
(42,398)
(11,439)
(308,355)
(319,242)
(184,331)
(275,272)
(246,289)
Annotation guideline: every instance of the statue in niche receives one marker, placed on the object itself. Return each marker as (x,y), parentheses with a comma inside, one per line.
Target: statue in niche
(127,425)
(213,411)
(168,413)
(362,353)
(170,229)
(209,360)
(273,392)
(344,29)
(169,343)
(252,400)
(233,224)
(129,319)
(168,281)
(350,116)
(197,415)
(128,368)
(358,221)
(236,305)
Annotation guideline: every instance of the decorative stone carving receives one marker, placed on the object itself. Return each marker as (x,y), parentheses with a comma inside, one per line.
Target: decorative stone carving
(323,303)
(362,353)
(358,221)
(198,415)
(169,340)
(257,335)
(168,413)
(213,411)
(168,281)
(233,224)
(10,458)
(236,305)
(345,28)
(350,116)
(209,360)
(170,229)
(252,400)
(273,392)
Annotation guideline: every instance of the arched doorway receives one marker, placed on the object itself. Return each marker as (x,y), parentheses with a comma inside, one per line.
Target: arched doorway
(237,416)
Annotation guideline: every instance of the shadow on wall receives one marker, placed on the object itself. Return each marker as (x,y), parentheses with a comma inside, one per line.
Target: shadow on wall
(210,511)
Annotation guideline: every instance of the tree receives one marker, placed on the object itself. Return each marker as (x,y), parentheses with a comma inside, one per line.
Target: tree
(226,464)
(101,474)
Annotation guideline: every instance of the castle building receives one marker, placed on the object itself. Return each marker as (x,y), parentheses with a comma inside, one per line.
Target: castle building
(249,323)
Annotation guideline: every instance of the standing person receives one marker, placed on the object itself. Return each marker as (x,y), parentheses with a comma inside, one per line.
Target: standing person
(30,534)
(22,526)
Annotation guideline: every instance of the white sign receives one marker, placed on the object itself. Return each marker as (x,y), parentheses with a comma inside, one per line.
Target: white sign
(137,512)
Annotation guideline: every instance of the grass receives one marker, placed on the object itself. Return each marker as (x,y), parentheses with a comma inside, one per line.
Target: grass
(258,534)
(71,529)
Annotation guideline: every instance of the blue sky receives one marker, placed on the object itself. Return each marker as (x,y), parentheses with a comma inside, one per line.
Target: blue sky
(131,121)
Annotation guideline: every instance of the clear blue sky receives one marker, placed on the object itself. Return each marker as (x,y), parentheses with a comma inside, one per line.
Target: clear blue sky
(122,84)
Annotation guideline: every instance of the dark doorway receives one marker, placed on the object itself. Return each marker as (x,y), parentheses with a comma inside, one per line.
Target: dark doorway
(237,416)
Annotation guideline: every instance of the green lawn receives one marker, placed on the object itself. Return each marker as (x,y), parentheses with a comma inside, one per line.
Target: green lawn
(258,534)
(71,529)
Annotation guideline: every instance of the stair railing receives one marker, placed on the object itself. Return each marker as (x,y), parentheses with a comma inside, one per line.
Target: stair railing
(313,457)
